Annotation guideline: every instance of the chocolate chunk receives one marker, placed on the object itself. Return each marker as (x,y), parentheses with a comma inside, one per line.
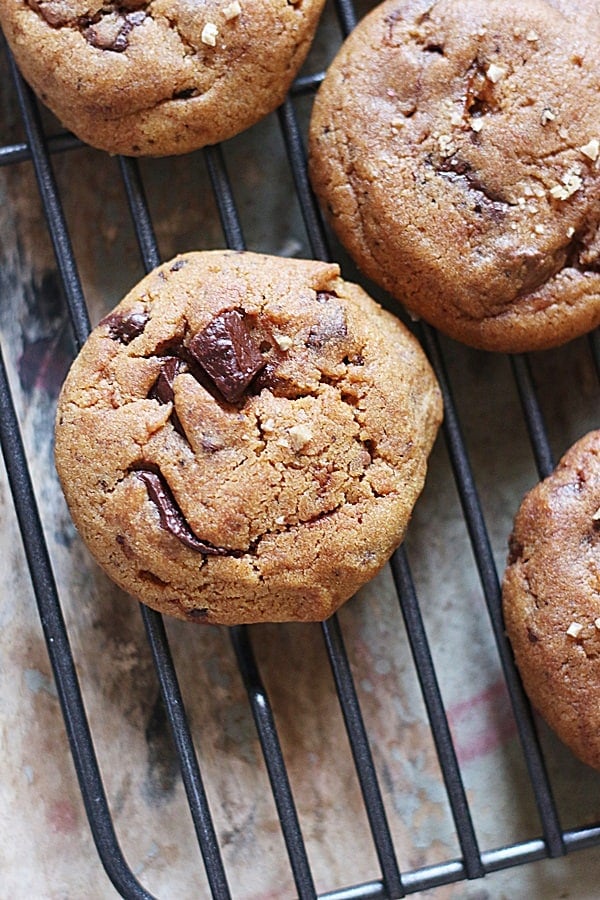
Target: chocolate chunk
(227,354)
(162,389)
(112,31)
(125,328)
(171,517)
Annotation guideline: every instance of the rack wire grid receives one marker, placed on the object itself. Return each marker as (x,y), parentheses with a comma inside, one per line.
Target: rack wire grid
(535,378)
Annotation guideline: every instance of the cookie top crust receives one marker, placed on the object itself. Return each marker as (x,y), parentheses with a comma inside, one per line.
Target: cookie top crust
(243,438)
(455,146)
(551,597)
(159,77)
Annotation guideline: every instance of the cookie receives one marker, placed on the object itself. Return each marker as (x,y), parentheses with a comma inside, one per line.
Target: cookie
(159,77)
(243,438)
(455,147)
(551,597)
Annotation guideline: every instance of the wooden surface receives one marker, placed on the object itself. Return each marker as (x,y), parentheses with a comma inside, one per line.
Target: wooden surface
(46,850)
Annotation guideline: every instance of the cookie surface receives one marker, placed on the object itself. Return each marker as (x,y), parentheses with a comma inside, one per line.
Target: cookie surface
(455,146)
(159,77)
(551,597)
(243,438)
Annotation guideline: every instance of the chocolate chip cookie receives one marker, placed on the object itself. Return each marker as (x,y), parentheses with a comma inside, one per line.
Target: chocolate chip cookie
(455,146)
(159,77)
(551,596)
(243,438)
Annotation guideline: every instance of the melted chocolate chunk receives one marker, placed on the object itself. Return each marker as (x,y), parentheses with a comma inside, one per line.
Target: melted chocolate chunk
(112,31)
(162,389)
(171,517)
(125,328)
(227,353)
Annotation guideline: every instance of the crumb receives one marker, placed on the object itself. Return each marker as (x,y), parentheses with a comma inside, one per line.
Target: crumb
(532,36)
(283,341)
(570,232)
(574,629)
(300,435)
(447,145)
(477,125)
(539,229)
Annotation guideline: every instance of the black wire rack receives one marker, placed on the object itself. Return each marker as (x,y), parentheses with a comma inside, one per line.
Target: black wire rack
(389,882)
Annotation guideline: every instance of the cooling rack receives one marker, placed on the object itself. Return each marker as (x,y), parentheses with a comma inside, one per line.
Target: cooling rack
(391,878)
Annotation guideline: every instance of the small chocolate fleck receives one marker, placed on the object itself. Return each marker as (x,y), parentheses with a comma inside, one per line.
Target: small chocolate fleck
(171,517)
(200,614)
(125,328)
(532,636)
(111,32)
(227,353)
(177,265)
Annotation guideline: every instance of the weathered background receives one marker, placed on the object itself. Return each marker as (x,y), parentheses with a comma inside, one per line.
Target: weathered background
(46,850)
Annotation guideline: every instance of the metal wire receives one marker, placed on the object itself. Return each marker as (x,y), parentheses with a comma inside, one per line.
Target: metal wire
(474,862)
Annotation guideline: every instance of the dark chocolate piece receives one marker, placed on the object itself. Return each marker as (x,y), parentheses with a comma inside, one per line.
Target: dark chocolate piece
(125,328)
(162,389)
(171,517)
(111,32)
(227,353)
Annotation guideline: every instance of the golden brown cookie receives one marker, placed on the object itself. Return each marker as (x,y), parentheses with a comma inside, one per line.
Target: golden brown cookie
(243,438)
(158,77)
(551,597)
(455,146)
